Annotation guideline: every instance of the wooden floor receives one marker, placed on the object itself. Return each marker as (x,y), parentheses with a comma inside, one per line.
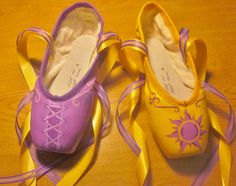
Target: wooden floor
(115,165)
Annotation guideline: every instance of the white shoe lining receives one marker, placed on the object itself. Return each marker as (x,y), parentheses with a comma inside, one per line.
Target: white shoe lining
(74,50)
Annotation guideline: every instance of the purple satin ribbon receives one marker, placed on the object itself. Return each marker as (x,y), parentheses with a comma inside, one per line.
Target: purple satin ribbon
(136,43)
(106,36)
(184,36)
(105,103)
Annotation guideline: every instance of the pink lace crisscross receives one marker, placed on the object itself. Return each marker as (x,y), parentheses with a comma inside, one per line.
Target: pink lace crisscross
(54,113)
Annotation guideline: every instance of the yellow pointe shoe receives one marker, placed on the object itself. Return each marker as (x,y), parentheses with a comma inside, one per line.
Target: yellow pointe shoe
(172,92)
(169,69)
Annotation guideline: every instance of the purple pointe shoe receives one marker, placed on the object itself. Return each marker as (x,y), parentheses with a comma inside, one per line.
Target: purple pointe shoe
(67,98)
(65,92)
(63,96)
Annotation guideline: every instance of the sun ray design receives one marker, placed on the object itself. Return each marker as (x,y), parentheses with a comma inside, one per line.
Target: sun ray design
(188,131)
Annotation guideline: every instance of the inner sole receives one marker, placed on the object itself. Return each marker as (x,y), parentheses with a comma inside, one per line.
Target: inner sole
(74,50)
(167,61)
(77,64)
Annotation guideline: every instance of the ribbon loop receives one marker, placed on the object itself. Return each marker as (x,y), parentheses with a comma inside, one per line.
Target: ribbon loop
(107,47)
(132,55)
(197,50)
(23,56)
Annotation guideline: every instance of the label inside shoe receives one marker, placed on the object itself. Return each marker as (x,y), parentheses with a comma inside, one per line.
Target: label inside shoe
(161,60)
(166,82)
(74,76)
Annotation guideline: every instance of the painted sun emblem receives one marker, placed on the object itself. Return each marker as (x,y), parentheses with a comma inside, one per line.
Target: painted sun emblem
(188,131)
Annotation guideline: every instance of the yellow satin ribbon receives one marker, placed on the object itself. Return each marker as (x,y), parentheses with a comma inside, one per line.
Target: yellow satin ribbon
(225,156)
(74,174)
(131,58)
(27,163)
(110,49)
(23,57)
(139,137)
(198,51)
